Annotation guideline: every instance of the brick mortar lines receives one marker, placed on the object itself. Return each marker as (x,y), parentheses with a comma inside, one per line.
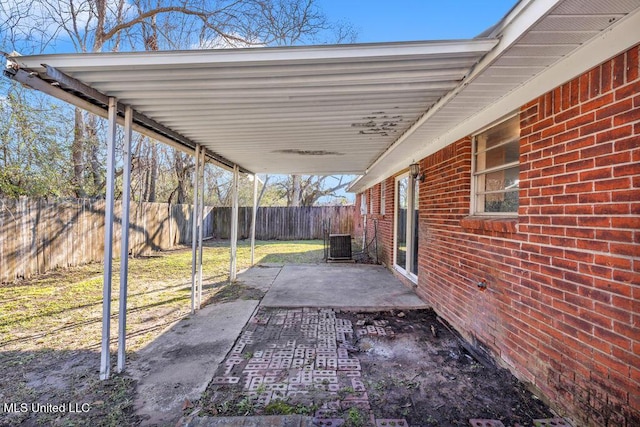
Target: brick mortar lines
(463,243)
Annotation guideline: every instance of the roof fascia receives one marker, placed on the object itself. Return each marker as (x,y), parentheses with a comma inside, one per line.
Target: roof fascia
(250,55)
(603,47)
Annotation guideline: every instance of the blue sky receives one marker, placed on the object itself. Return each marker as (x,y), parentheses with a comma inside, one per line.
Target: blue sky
(405,20)
(400,20)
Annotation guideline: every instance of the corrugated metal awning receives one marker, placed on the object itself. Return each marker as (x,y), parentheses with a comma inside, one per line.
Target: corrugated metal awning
(311,110)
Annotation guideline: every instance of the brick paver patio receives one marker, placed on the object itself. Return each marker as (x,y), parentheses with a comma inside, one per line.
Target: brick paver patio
(302,356)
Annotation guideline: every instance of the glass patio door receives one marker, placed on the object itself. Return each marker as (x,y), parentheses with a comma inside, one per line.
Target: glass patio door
(406,226)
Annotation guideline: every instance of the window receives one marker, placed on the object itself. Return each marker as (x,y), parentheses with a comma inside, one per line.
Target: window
(371,201)
(383,197)
(497,169)
(363,204)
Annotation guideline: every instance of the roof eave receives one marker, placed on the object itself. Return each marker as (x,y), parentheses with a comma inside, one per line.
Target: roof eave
(610,41)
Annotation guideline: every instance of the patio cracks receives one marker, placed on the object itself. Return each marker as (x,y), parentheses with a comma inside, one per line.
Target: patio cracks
(304,357)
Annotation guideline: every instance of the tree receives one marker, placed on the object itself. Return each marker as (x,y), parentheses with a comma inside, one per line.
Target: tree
(33,145)
(307,190)
(115,25)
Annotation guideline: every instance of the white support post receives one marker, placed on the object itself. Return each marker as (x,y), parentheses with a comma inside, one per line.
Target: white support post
(124,245)
(194,235)
(105,357)
(234,225)
(200,237)
(254,214)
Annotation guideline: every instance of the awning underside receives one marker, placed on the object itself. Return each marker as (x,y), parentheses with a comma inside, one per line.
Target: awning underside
(310,110)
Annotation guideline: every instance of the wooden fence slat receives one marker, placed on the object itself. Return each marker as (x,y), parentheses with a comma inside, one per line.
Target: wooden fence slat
(299,223)
(40,235)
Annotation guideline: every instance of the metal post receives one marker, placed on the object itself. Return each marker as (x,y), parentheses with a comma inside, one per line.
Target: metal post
(234,224)
(254,214)
(124,244)
(194,234)
(201,224)
(105,357)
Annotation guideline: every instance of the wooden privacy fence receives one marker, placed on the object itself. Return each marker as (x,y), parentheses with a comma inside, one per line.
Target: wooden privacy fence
(37,236)
(285,223)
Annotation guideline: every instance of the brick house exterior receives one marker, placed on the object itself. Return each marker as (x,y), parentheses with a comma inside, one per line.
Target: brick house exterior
(562,305)
(551,289)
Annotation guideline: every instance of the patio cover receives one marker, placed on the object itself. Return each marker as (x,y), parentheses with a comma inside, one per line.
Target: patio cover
(306,110)
(313,110)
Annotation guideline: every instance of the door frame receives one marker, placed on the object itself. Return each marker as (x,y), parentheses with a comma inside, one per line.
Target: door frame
(406,269)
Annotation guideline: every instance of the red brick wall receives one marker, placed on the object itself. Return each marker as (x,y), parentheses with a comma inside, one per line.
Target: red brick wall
(562,307)
(384,223)
(580,213)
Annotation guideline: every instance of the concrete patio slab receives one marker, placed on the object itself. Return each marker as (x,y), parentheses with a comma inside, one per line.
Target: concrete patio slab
(260,276)
(341,286)
(179,364)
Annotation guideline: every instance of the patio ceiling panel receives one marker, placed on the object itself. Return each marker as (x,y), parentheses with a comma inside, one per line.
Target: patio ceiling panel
(310,110)
(547,38)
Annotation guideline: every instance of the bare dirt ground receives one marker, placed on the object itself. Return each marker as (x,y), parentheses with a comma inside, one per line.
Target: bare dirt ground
(420,372)
(56,388)
(359,369)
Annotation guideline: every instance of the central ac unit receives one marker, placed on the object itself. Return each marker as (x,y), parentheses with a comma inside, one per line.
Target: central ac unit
(339,246)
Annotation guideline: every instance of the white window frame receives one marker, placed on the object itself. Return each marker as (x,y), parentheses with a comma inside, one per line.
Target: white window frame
(475,175)
(371,204)
(383,198)
(409,229)
(363,203)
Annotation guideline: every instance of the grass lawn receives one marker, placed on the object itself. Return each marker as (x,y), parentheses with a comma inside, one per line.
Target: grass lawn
(50,326)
